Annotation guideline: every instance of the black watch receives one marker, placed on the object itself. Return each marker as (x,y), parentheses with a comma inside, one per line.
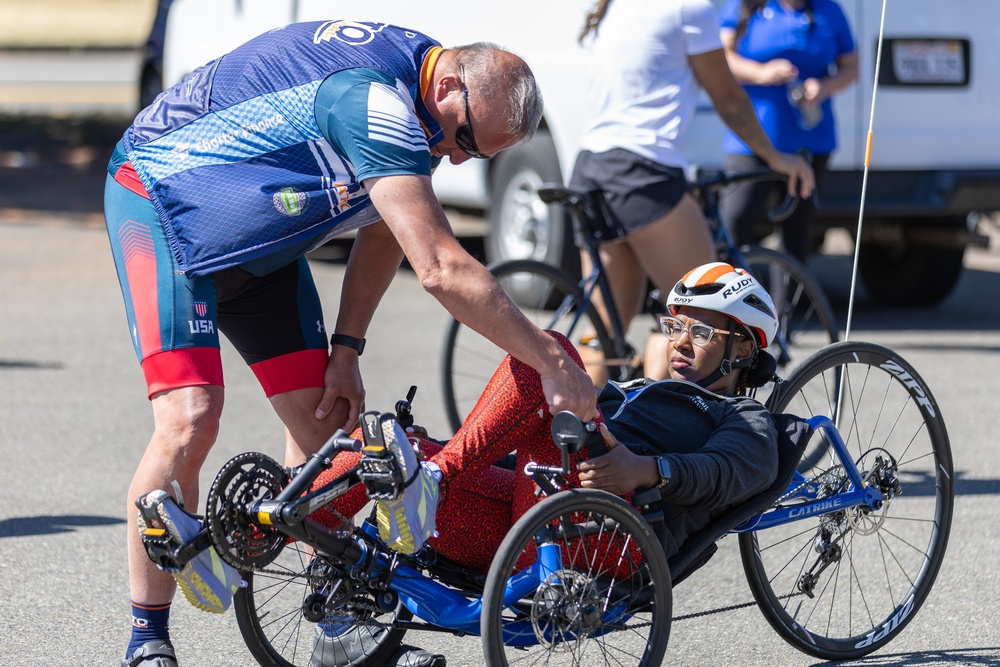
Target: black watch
(663,467)
(356,344)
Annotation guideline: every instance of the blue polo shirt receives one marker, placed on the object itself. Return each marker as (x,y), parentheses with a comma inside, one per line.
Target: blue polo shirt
(813,47)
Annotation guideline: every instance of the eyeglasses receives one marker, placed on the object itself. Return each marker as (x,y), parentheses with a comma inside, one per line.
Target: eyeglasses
(464,137)
(701,334)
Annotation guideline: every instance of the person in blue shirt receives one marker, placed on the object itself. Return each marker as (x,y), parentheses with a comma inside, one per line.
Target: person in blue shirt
(791,56)
(216,193)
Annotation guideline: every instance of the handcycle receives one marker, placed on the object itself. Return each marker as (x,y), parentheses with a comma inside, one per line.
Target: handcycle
(554,300)
(839,554)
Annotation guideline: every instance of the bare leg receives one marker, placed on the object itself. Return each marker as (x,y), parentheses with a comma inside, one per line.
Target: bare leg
(304,433)
(627,281)
(186,424)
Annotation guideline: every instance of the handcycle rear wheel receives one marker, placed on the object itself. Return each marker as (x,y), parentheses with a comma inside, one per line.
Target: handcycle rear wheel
(882,563)
(806,321)
(281,615)
(610,602)
(550,299)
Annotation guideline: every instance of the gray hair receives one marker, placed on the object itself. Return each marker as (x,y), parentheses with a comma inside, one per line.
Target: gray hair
(498,76)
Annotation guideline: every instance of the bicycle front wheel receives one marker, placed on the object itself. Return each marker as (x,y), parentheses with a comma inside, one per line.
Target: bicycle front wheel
(302,611)
(579,580)
(806,321)
(844,584)
(550,299)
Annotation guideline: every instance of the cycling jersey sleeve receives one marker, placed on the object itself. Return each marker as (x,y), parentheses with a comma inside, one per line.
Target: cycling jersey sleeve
(366,116)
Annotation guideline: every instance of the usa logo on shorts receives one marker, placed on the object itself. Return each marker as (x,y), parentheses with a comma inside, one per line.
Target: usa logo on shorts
(201,308)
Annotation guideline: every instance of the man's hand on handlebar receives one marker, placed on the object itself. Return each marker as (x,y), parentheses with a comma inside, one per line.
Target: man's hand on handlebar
(570,388)
(801,180)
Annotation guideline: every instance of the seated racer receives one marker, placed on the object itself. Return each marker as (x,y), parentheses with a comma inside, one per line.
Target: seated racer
(696,436)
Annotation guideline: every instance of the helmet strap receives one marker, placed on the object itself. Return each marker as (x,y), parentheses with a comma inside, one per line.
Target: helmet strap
(727,366)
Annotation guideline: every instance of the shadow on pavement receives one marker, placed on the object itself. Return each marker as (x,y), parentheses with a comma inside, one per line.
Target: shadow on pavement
(985,657)
(52,525)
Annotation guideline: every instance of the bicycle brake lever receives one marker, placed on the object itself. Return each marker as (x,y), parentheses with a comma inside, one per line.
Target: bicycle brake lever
(784,209)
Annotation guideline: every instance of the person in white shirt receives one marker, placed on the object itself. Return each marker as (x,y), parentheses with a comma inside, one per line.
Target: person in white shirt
(650,58)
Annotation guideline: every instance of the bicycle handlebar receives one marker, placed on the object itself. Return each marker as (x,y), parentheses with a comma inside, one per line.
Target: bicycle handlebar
(575,200)
(716,182)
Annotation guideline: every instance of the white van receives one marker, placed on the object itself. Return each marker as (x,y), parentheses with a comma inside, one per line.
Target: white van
(935,160)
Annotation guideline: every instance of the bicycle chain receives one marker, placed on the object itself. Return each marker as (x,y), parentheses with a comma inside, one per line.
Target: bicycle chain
(734,607)
(379,624)
(819,479)
(831,472)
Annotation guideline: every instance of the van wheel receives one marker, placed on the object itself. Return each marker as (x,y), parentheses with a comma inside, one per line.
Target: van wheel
(909,274)
(521,225)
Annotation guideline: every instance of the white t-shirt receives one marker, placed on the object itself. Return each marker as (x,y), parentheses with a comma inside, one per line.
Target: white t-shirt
(642,92)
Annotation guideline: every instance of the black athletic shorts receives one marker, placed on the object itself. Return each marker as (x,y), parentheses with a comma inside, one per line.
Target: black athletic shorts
(637,191)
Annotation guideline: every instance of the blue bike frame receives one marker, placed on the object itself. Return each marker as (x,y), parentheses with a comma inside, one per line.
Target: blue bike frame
(447,608)
(857,493)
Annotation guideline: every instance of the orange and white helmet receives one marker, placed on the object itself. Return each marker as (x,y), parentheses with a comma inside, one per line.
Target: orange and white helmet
(733,292)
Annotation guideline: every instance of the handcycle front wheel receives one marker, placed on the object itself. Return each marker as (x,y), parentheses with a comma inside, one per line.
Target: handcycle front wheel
(550,299)
(841,585)
(580,579)
(299,612)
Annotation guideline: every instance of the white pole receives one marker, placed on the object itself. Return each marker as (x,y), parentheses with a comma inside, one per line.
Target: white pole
(841,377)
(864,180)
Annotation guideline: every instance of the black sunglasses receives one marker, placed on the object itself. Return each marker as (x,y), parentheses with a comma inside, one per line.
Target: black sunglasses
(464,137)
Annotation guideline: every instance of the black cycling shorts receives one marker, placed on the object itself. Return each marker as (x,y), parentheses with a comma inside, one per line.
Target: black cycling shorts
(637,191)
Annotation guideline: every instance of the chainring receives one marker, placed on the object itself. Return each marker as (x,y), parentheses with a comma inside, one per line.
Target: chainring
(237,538)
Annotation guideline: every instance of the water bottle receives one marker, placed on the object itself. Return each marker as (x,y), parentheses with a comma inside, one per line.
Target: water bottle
(809,116)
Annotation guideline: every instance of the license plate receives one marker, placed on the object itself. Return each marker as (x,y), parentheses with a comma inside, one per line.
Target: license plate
(933,62)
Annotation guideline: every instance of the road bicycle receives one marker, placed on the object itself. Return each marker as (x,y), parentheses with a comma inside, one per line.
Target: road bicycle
(553,300)
(840,554)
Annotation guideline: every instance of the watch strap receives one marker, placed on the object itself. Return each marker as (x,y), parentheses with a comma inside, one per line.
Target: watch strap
(661,463)
(356,344)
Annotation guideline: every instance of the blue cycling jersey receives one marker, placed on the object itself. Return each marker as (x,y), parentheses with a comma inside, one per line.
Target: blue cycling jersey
(258,156)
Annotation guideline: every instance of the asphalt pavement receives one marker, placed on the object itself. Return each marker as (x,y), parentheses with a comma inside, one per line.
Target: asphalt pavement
(74,421)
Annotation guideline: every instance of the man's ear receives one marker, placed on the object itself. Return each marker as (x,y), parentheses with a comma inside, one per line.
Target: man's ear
(446,85)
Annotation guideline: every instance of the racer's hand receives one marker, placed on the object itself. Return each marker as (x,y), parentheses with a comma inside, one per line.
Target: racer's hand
(570,388)
(619,471)
(342,381)
(801,180)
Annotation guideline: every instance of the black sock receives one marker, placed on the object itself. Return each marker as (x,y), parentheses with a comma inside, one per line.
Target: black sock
(149,622)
